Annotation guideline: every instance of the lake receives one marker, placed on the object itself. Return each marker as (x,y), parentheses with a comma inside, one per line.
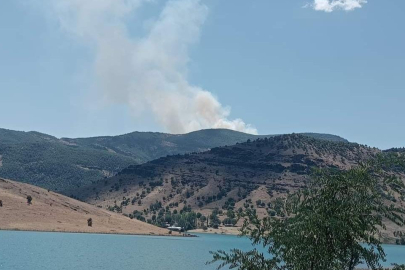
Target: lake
(54,251)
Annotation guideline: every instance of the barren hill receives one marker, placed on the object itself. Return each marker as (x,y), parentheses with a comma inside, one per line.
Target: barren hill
(50,211)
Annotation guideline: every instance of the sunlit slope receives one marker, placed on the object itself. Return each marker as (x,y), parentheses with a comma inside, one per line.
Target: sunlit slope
(50,211)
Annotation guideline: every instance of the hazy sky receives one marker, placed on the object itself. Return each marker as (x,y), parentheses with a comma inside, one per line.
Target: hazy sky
(77,68)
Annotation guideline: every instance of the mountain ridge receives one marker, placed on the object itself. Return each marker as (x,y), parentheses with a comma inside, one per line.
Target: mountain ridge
(62,164)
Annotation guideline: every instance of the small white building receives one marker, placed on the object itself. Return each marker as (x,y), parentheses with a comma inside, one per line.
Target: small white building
(174,228)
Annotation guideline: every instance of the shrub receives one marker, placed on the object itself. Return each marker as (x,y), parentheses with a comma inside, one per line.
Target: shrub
(90,222)
(29,199)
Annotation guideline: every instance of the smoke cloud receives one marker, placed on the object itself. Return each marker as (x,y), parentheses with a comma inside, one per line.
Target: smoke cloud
(149,73)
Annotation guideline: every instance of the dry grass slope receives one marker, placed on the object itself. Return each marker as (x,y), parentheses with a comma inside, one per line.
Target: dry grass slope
(50,211)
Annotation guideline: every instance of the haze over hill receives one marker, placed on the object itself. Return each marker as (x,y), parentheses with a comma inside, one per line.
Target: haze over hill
(63,164)
(50,211)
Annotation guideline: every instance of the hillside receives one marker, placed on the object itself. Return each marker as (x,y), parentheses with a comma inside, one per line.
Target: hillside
(395,150)
(49,162)
(270,161)
(147,146)
(50,211)
(273,161)
(255,174)
(66,164)
(251,174)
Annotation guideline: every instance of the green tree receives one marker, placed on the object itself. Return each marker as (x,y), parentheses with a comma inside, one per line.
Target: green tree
(90,222)
(333,224)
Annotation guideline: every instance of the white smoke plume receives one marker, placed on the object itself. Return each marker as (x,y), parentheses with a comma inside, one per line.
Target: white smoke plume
(148,73)
(331,5)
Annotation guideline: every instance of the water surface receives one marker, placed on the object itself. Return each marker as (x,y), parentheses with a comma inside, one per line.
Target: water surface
(51,251)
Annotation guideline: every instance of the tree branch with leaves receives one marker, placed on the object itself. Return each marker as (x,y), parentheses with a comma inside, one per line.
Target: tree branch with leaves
(333,224)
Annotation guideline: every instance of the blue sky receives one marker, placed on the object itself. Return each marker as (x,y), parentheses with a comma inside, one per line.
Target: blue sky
(280,67)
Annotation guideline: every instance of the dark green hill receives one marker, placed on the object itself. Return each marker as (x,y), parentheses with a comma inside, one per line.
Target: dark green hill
(395,150)
(65,164)
(46,161)
(147,146)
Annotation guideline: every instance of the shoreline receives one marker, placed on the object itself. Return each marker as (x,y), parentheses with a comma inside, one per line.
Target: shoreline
(221,230)
(235,231)
(83,232)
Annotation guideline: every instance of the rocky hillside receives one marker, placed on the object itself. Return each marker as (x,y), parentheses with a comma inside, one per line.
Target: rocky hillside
(65,164)
(49,211)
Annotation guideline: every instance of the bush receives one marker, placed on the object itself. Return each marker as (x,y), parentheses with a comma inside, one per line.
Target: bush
(400,241)
(1,203)
(90,222)
(29,199)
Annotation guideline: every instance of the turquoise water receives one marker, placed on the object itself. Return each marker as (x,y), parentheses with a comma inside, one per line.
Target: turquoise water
(54,251)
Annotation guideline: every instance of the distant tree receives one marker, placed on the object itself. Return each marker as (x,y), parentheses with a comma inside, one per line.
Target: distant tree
(1,203)
(398,267)
(230,214)
(90,222)
(400,241)
(29,199)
